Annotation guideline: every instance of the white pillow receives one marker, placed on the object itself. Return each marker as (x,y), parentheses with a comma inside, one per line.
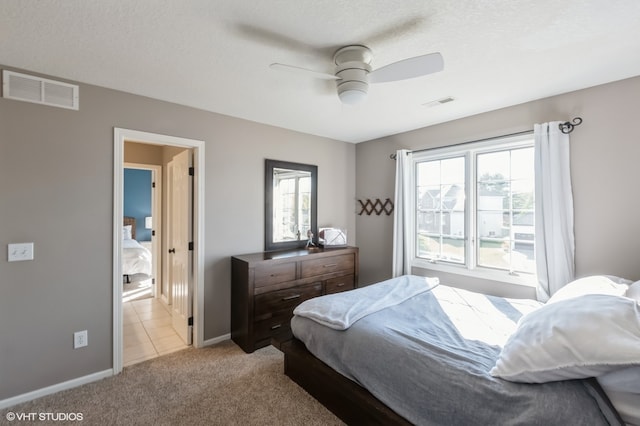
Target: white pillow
(596,284)
(126,232)
(618,280)
(633,292)
(584,336)
(622,380)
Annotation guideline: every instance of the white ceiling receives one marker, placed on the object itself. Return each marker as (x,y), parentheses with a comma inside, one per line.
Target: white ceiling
(215,54)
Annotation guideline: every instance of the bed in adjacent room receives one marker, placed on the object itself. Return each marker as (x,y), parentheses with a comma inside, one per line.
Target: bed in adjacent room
(410,350)
(136,259)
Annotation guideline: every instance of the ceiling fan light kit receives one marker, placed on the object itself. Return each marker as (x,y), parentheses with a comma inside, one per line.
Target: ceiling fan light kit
(353,92)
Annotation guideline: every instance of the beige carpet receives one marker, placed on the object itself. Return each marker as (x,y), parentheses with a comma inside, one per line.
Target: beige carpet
(218,385)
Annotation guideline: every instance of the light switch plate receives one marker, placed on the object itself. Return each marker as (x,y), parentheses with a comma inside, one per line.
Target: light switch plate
(19,252)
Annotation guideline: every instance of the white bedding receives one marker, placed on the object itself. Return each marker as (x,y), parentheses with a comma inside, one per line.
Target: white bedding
(136,259)
(339,311)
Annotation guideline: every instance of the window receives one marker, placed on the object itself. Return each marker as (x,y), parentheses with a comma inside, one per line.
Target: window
(474,207)
(440,215)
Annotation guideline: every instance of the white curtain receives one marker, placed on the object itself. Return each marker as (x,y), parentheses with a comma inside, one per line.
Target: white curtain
(402,215)
(554,238)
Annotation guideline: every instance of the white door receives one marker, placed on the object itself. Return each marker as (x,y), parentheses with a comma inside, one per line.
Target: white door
(180,258)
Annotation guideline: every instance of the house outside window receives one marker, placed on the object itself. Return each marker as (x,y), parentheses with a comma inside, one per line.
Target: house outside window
(474,209)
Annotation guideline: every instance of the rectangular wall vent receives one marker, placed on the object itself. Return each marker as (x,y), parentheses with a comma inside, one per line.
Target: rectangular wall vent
(28,88)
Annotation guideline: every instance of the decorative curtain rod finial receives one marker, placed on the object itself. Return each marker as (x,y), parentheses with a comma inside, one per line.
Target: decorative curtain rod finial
(567,127)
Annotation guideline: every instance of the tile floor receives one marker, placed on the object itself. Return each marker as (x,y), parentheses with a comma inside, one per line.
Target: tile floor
(147,331)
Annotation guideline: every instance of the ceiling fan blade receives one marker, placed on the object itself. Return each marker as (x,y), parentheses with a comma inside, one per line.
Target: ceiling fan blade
(408,68)
(299,70)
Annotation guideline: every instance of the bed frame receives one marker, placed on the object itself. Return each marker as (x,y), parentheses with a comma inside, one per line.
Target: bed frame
(350,402)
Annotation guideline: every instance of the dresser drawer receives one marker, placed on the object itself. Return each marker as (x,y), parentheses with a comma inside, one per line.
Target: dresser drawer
(266,329)
(326,265)
(336,285)
(282,302)
(274,274)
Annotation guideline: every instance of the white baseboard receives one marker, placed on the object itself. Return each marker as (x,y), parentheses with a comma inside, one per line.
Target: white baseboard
(215,340)
(29,396)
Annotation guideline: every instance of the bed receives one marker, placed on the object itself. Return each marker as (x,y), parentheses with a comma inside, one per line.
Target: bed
(136,259)
(413,351)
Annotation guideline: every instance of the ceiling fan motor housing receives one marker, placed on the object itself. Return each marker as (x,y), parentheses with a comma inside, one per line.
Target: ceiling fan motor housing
(353,64)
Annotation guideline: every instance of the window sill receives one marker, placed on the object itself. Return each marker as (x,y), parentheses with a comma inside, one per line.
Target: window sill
(480,273)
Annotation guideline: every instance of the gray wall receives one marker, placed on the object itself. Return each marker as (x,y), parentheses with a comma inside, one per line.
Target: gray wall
(56,188)
(604,168)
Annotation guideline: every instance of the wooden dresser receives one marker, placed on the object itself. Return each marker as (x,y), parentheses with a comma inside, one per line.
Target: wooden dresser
(267,286)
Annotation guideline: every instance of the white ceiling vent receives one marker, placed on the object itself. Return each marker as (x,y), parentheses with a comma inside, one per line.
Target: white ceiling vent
(28,88)
(438,102)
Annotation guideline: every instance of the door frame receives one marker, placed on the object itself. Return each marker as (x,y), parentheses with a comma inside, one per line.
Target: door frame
(156,213)
(121,135)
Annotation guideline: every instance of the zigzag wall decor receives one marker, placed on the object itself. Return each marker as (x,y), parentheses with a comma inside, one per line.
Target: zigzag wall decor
(376,206)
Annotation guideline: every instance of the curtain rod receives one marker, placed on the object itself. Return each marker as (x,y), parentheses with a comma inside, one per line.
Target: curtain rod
(566,127)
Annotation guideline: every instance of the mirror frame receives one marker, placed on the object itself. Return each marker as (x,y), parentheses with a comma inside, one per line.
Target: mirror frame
(269,244)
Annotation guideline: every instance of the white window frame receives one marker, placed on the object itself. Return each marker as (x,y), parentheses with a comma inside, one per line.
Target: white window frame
(469,151)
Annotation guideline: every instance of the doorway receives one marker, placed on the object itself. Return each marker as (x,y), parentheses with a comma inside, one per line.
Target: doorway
(191,306)
(147,328)
(142,204)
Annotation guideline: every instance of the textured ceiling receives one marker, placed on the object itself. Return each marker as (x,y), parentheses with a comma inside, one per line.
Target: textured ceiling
(215,54)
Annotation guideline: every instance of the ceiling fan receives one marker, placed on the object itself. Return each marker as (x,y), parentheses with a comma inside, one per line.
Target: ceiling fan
(354,72)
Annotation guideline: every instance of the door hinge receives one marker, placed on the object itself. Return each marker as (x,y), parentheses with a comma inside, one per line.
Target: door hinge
(153,232)
(192,171)
(191,245)
(190,321)
(153,280)
(153,184)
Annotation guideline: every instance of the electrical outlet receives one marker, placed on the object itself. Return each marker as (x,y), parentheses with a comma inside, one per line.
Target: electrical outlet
(19,252)
(80,339)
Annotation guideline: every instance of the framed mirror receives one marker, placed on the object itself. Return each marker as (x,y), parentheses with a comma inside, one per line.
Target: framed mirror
(291,200)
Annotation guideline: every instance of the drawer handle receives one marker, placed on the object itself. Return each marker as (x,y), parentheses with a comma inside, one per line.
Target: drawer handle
(331,265)
(276,326)
(295,296)
(340,285)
